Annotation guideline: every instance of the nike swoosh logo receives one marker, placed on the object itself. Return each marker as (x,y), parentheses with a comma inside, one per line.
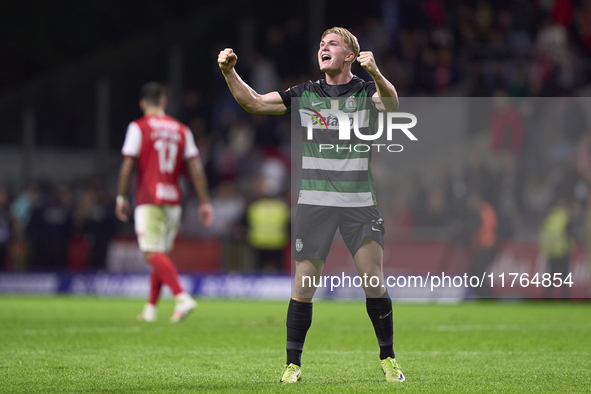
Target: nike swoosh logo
(375,229)
(386,315)
(318,103)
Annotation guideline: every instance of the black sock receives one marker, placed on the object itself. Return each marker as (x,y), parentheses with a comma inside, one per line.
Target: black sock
(299,318)
(380,313)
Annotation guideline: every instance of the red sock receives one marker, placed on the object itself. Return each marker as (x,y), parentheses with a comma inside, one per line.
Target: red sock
(155,286)
(166,272)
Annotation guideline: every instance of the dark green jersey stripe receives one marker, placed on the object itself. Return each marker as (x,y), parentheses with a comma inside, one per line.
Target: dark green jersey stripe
(332,186)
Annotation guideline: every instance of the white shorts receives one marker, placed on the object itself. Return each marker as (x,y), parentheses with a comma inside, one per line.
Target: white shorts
(156,226)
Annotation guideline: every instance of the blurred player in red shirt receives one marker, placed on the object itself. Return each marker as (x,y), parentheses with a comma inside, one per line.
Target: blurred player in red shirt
(161,148)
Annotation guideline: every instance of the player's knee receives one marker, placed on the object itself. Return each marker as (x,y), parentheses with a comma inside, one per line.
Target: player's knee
(149,256)
(309,280)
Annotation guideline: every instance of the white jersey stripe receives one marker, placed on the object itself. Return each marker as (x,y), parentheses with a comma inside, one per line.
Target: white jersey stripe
(315,163)
(363,119)
(332,199)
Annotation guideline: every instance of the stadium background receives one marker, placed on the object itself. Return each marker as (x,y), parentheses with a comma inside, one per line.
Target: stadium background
(70,72)
(69,84)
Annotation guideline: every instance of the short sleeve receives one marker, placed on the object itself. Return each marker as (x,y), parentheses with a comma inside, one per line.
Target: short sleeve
(191,150)
(371,89)
(286,95)
(133,141)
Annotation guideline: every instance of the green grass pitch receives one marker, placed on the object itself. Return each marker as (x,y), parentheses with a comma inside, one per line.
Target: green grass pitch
(70,344)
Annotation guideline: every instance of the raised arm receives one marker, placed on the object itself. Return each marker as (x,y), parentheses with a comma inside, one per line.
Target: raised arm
(386,98)
(246,96)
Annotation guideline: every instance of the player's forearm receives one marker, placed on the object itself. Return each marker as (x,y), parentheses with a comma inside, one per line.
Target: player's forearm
(386,91)
(202,190)
(246,96)
(125,174)
(199,180)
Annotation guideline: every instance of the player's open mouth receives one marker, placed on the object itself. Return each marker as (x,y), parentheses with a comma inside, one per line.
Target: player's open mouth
(325,58)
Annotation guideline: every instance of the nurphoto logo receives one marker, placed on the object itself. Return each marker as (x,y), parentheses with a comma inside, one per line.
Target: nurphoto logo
(335,119)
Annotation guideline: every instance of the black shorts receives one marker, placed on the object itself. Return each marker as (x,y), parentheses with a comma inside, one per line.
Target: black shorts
(315,227)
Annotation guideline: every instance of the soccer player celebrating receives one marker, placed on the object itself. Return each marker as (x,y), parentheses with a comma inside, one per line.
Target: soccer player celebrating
(321,211)
(161,148)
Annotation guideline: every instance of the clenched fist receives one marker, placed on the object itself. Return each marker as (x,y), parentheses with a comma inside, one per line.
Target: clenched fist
(227,60)
(368,62)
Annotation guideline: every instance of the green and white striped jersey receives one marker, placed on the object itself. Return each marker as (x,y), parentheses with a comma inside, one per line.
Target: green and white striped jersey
(339,177)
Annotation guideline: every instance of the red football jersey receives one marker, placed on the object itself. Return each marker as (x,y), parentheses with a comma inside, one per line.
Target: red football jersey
(161,145)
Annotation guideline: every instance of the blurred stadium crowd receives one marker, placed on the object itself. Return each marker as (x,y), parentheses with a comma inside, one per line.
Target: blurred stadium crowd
(507,50)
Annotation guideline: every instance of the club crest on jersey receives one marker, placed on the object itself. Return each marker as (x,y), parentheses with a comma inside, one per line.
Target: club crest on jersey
(351,103)
(299,245)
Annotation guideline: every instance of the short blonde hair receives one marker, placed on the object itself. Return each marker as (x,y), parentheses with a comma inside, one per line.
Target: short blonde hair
(347,36)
